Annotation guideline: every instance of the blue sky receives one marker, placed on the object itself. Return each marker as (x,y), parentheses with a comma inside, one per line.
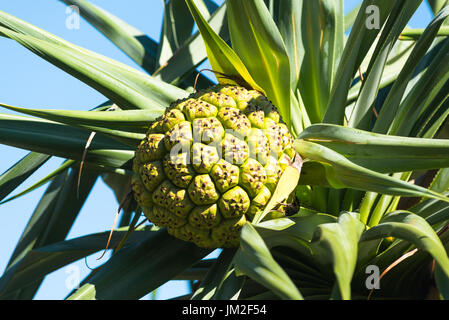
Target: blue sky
(28,81)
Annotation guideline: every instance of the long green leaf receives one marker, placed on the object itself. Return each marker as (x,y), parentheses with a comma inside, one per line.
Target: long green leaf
(359,42)
(351,16)
(392,69)
(230,287)
(289,24)
(33,231)
(432,210)
(309,64)
(19,172)
(39,262)
(381,153)
(255,260)
(221,57)
(177,27)
(286,185)
(333,41)
(431,86)
(50,223)
(437,5)
(215,277)
(441,181)
(89,70)
(294,232)
(410,34)
(257,41)
(42,181)
(342,173)
(400,15)
(431,122)
(138,46)
(336,244)
(62,141)
(393,100)
(413,228)
(159,255)
(192,53)
(124,85)
(125,123)
(314,90)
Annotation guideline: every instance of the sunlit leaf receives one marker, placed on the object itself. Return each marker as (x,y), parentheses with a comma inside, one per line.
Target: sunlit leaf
(342,173)
(257,41)
(336,244)
(382,153)
(255,260)
(221,57)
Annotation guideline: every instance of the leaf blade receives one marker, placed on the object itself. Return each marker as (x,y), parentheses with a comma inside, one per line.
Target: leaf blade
(254,259)
(138,46)
(342,173)
(337,244)
(257,41)
(19,172)
(221,57)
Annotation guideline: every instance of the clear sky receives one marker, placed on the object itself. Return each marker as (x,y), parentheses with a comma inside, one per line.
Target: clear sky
(28,81)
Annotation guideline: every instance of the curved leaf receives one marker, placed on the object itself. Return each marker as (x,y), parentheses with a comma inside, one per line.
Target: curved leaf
(436,5)
(427,92)
(432,210)
(411,227)
(255,260)
(286,185)
(294,232)
(397,20)
(336,244)
(230,287)
(333,40)
(357,46)
(342,173)
(129,88)
(381,153)
(393,100)
(176,28)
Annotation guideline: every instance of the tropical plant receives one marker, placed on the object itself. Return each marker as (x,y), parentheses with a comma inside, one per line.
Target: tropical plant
(368,112)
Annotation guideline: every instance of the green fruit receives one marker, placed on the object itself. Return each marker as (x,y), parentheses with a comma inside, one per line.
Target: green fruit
(211,163)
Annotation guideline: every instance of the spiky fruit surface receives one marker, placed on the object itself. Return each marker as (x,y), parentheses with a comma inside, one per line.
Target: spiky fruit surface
(210,163)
